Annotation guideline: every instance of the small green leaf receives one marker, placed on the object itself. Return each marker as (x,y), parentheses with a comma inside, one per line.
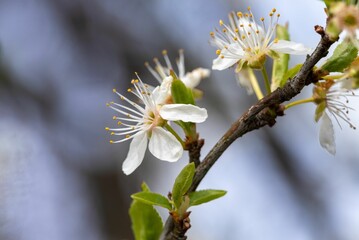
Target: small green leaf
(152,199)
(145,187)
(203,196)
(182,184)
(343,56)
(290,74)
(280,64)
(146,222)
(180,93)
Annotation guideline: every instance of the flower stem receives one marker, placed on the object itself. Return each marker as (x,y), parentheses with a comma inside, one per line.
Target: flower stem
(266,80)
(335,77)
(170,129)
(292,104)
(255,85)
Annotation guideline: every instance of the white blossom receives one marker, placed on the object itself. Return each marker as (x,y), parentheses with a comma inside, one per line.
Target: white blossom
(145,123)
(244,41)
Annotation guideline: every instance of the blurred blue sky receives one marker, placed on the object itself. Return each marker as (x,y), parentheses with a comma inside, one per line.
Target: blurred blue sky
(59,177)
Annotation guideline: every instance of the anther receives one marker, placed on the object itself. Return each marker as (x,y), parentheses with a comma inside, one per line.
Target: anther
(274,10)
(218,51)
(111,141)
(262,19)
(129,90)
(127,136)
(112,133)
(211,34)
(235,39)
(222,56)
(220,23)
(271,14)
(224,30)
(248,8)
(107,128)
(114,90)
(119,123)
(239,14)
(114,117)
(147,64)
(164,52)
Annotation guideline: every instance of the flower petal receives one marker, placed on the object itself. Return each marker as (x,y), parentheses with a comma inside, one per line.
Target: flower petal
(164,146)
(135,154)
(284,46)
(183,112)
(243,79)
(161,93)
(326,134)
(192,79)
(223,63)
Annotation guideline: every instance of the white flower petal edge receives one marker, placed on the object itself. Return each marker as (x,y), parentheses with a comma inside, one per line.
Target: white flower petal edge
(243,79)
(289,47)
(192,79)
(164,146)
(183,112)
(223,63)
(326,134)
(135,154)
(161,93)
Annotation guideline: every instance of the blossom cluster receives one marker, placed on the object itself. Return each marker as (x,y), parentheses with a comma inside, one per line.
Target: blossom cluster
(146,121)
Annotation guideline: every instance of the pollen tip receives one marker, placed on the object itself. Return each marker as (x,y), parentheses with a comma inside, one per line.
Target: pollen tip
(211,34)
(111,141)
(107,104)
(114,90)
(119,123)
(262,19)
(221,22)
(164,52)
(239,14)
(147,64)
(112,133)
(274,10)
(129,90)
(248,8)
(107,128)
(222,56)
(114,117)
(218,51)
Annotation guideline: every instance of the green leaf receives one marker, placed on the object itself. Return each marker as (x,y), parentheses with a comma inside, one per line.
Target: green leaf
(290,74)
(203,196)
(343,56)
(182,184)
(180,93)
(145,187)
(280,64)
(152,199)
(146,222)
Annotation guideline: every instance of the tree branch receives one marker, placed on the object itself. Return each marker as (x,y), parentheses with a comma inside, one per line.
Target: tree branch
(263,113)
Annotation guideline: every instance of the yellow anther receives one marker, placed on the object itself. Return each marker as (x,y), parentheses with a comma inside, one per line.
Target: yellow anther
(112,133)
(276,40)
(224,30)
(249,25)
(129,90)
(133,81)
(278,15)
(112,102)
(243,37)
(136,80)
(133,128)
(241,25)
(257,31)
(222,56)
(239,14)
(274,10)
(107,128)
(262,19)
(271,14)
(127,136)
(246,15)
(136,73)
(114,117)
(220,23)
(122,98)
(236,30)
(226,47)
(146,86)
(248,8)
(235,39)
(249,33)
(107,104)
(251,15)
(218,51)
(114,90)
(211,34)
(119,123)
(147,64)
(155,59)
(164,52)
(111,141)
(128,115)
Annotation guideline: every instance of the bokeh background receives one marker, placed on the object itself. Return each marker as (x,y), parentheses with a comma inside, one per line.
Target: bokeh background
(61,179)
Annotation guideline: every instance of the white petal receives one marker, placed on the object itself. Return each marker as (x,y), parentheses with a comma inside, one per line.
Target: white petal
(243,79)
(161,93)
(135,154)
(326,134)
(192,79)
(223,63)
(164,146)
(183,112)
(284,46)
